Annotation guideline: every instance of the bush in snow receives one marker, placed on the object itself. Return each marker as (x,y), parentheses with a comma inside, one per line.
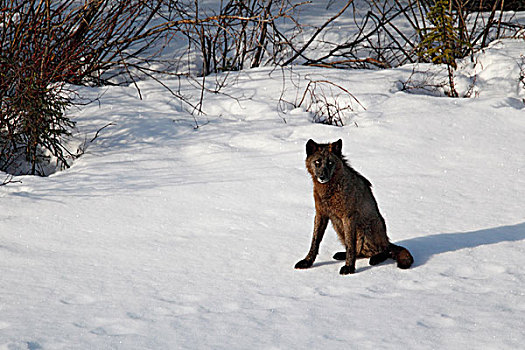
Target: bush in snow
(45,48)
(441,43)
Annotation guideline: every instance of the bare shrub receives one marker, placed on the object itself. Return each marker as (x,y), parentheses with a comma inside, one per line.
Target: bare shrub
(329,103)
(238,35)
(388,33)
(45,47)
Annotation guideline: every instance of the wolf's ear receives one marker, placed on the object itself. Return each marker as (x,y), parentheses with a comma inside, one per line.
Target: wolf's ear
(336,147)
(311,147)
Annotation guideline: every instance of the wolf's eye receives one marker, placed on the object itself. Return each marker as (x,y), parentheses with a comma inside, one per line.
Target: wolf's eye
(317,163)
(330,162)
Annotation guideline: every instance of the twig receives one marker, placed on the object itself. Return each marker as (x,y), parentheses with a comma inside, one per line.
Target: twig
(9,180)
(99,130)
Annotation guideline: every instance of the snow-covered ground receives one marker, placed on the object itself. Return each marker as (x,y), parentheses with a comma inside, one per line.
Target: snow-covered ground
(163,236)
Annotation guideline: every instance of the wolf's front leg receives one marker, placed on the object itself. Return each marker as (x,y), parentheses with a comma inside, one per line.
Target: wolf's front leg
(320,224)
(350,242)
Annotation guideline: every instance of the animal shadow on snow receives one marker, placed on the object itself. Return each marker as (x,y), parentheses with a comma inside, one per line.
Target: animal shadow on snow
(423,248)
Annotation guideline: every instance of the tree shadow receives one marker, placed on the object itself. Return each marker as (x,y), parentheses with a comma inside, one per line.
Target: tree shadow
(423,248)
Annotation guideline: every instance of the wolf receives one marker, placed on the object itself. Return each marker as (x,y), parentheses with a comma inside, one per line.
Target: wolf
(344,197)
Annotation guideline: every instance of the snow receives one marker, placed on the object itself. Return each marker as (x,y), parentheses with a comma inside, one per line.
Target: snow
(167,236)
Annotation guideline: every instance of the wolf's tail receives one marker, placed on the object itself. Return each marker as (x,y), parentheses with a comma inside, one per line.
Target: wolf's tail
(401,255)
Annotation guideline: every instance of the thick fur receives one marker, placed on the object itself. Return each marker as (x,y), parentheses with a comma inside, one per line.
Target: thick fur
(344,197)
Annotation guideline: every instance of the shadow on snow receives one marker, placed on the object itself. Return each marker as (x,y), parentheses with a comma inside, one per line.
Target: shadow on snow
(423,248)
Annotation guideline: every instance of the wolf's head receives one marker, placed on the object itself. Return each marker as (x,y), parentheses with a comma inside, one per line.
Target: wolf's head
(323,159)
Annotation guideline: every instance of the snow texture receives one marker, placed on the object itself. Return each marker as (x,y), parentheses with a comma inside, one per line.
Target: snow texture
(163,236)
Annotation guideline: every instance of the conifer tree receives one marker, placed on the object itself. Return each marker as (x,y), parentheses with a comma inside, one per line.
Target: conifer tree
(441,43)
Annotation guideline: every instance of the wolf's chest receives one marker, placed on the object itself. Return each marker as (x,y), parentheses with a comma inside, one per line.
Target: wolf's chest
(334,203)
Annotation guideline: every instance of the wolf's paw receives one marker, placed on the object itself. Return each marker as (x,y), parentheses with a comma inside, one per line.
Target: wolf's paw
(345,270)
(340,256)
(304,264)
(378,258)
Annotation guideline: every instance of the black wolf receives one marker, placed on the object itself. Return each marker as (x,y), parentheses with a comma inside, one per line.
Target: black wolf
(344,197)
